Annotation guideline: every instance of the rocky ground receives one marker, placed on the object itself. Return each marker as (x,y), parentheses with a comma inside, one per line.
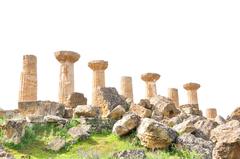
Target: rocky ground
(152,128)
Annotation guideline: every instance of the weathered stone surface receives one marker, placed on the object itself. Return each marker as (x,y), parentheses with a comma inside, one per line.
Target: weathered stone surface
(195,118)
(14,130)
(220,120)
(98,125)
(183,117)
(191,109)
(199,145)
(145,103)
(227,139)
(157,115)
(227,133)
(86,111)
(141,111)
(41,108)
(117,113)
(123,126)
(235,115)
(75,99)
(178,119)
(226,151)
(153,134)
(185,127)
(79,132)
(54,119)
(129,101)
(35,119)
(56,144)
(68,112)
(28,86)
(4,154)
(165,106)
(204,128)
(8,114)
(107,99)
(130,154)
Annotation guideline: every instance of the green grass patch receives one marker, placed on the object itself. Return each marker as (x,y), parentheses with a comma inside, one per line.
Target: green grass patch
(2,120)
(99,145)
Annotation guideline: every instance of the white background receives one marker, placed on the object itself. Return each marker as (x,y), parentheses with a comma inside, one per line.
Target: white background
(184,41)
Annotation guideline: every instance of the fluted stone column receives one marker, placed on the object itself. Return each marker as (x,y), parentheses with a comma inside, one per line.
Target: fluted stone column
(28,86)
(98,67)
(211,113)
(192,92)
(66,82)
(173,95)
(126,87)
(150,80)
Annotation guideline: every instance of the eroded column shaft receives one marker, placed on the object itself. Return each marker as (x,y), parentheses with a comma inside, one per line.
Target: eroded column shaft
(151,90)
(192,97)
(66,83)
(98,82)
(211,113)
(126,87)
(28,86)
(173,95)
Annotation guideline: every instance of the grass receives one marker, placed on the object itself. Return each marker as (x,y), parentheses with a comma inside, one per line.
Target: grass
(99,145)
(2,120)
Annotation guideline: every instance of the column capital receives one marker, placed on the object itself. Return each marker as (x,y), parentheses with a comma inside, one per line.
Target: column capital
(172,89)
(70,56)
(150,77)
(191,86)
(98,65)
(29,58)
(126,77)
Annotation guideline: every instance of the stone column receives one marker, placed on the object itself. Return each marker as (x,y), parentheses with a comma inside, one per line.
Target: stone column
(192,92)
(150,79)
(66,82)
(98,67)
(211,113)
(28,86)
(126,87)
(173,95)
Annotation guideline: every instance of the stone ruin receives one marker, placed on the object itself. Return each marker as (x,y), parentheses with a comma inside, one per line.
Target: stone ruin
(159,121)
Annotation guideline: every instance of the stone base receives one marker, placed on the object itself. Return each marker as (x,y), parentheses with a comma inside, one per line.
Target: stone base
(41,108)
(98,124)
(9,113)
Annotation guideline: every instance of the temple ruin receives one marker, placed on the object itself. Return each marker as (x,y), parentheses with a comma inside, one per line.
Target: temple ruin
(29,104)
(119,113)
